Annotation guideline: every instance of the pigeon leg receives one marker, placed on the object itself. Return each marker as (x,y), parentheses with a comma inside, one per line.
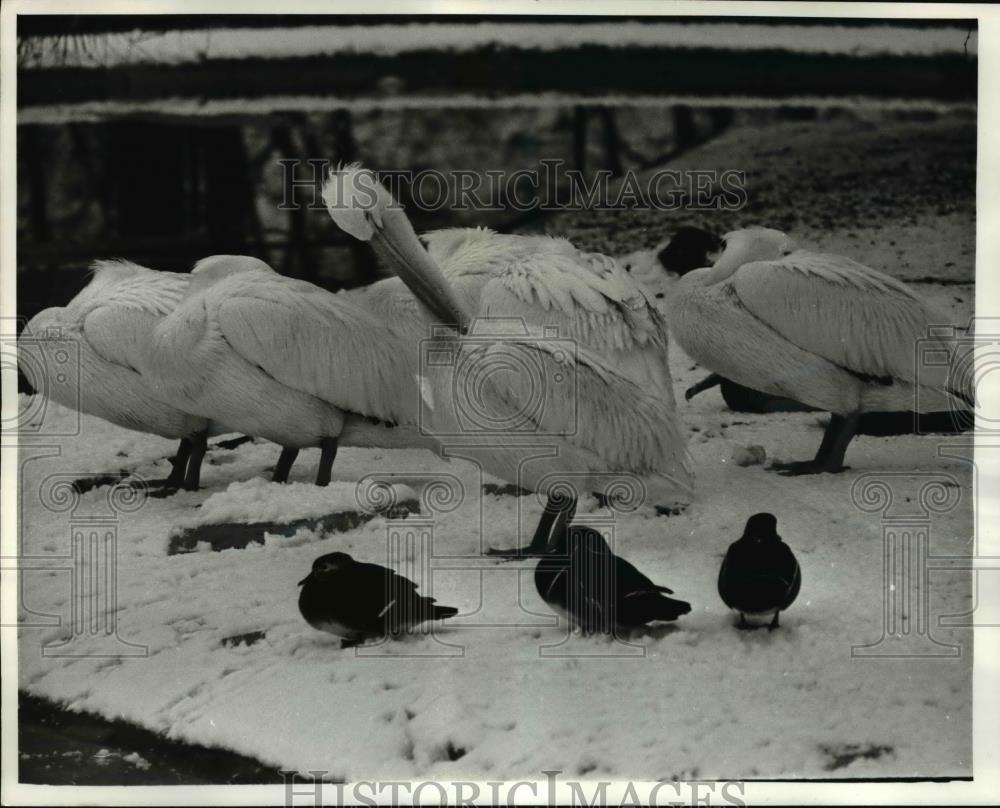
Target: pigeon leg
(774,622)
(328,453)
(558,513)
(284,467)
(743,624)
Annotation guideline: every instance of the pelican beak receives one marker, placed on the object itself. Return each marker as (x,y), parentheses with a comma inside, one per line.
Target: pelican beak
(418,270)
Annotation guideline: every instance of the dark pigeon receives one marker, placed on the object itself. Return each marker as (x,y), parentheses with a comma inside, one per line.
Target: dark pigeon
(584,581)
(358,601)
(759,574)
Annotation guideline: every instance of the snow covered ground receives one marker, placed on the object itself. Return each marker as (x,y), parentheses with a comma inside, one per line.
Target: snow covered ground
(501,691)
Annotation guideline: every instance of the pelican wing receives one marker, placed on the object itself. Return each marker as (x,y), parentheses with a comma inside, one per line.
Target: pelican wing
(478,249)
(119,334)
(585,296)
(316,342)
(119,308)
(578,398)
(836,308)
(122,283)
(546,281)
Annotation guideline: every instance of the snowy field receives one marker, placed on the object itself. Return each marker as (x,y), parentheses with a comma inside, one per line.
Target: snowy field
(501,691)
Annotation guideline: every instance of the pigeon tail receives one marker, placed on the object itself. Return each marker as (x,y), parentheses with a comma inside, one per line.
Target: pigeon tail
(442,612)
(668,609)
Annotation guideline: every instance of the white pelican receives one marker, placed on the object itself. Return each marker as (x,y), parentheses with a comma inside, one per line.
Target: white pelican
(285,360)
(109,321)
(820,329)
(604,406)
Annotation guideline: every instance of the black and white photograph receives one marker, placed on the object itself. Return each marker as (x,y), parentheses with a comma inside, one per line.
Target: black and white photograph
(478,404)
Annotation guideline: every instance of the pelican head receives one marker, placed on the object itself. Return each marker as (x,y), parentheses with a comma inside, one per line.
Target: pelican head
(758,244)
(746,246)
(214,268)
(362,207)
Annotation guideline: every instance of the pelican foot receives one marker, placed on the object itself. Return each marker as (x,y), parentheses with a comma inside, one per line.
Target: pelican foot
(802,467)
(232,443)
(82,485)
(164,491)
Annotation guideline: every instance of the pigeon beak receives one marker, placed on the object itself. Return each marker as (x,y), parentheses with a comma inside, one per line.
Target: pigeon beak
(303,580)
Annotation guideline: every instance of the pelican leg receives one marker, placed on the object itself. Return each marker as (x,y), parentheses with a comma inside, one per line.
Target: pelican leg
(173,483)
(199,445)
(179,465)
(844,429)
(830,457)
(710,381)
(328,453)
(284,466)
(558,513)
